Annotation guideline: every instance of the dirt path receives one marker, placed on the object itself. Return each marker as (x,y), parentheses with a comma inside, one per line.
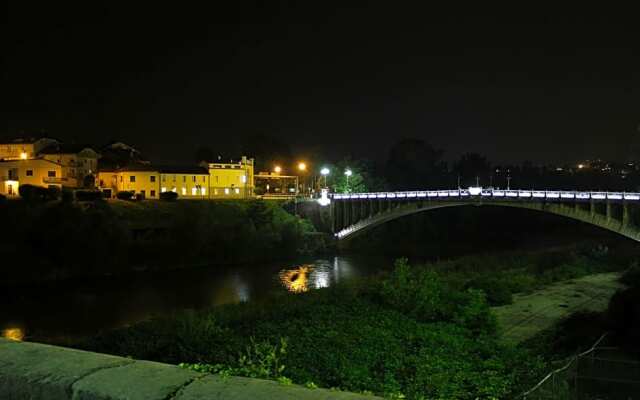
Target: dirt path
(531,313)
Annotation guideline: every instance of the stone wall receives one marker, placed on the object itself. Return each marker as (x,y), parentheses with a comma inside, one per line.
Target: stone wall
(37,371)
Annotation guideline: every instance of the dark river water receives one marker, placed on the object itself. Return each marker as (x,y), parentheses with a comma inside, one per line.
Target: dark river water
(69,310)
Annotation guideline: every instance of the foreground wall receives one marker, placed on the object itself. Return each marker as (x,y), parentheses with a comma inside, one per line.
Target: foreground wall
(36,371)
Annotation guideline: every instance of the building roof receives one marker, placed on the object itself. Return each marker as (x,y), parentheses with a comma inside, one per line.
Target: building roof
(176,169)
(134,167)
(29,161)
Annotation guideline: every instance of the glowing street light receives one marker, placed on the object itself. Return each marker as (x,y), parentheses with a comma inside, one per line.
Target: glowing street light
(325,171)
(302,166)
(348,173)
(277,169)
(23,155)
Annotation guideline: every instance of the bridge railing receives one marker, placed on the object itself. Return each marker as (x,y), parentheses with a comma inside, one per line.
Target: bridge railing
(494,193)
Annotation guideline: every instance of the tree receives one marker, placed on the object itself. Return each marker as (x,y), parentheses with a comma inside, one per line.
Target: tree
(471,166)
(414,164)
(363,178)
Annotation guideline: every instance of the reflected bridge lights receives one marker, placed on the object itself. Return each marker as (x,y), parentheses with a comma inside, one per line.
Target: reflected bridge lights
(13,333)
(296,280)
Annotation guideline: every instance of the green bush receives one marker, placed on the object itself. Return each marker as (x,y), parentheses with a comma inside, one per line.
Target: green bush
(32,193)
(88,195)
(53,193)
(343,337)
(168,196)
(496,289)
(631,277)
(3,199)
(125,195)
(423,295)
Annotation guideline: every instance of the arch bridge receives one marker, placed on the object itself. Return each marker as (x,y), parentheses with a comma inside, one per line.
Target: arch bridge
(353,214)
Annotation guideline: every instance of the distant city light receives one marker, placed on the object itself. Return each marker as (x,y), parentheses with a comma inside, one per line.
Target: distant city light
(277,169)
(325,171)
(580,166)
(302,166)
(348,172)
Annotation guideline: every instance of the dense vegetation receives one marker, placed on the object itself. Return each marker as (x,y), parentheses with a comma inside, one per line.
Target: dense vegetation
(409,333)
(61,239)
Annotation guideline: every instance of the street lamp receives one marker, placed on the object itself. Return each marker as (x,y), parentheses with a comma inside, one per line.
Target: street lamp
(277,169)
(325,171)
(348,173)
(302,167)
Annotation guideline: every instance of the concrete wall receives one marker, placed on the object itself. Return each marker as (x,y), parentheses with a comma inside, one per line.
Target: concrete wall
(36,371)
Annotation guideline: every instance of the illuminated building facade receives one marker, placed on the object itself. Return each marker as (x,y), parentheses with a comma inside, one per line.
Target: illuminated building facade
(37,172)
(232,180)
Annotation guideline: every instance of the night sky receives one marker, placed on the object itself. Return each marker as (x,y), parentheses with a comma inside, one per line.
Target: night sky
(519,84)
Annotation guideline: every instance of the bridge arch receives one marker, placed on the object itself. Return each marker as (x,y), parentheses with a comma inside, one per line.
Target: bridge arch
(610,216)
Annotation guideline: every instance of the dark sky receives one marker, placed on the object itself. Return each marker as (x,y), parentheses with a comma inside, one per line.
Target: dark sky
(517,84)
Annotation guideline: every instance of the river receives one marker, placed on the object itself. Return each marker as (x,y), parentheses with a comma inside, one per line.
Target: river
(64,311)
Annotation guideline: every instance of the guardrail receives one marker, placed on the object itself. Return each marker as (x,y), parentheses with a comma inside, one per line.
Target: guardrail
(495,193)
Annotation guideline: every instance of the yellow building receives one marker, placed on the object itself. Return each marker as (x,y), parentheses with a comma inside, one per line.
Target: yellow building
(37,172)
(188,182)
(79,163)
(24,149)
(233,180)
(149,182)
(143,180)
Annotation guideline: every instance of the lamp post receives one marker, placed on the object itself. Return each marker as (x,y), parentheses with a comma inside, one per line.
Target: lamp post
(302,167)
(325,171)
(348,173)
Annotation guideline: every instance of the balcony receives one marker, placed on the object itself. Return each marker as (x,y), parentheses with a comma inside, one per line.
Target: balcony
(5,178)
(52,180)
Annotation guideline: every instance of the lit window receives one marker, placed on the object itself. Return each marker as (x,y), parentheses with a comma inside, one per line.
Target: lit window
(132,178)
(194,191)
(226,190)
(29,172)
(203,191)
(162,190)
(173,189)
(243,179)
(184,191)
(237,190)
(23,155)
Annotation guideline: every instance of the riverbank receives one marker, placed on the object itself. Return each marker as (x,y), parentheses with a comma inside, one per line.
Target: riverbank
(532,313)
(58,240)
(398,333)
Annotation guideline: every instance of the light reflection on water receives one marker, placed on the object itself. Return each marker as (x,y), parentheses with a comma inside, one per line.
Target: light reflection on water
(14,333)
(318,275)
(69,310)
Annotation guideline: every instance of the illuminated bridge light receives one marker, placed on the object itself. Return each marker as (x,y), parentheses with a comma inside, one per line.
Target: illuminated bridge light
(567,195)
(614,196)
(553,195)
(539,195)
(598,195)
(583,195)
(628,196)
(524,194)
(511,193)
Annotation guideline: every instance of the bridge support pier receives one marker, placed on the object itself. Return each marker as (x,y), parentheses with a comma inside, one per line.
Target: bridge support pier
(626,217)
(609,212)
